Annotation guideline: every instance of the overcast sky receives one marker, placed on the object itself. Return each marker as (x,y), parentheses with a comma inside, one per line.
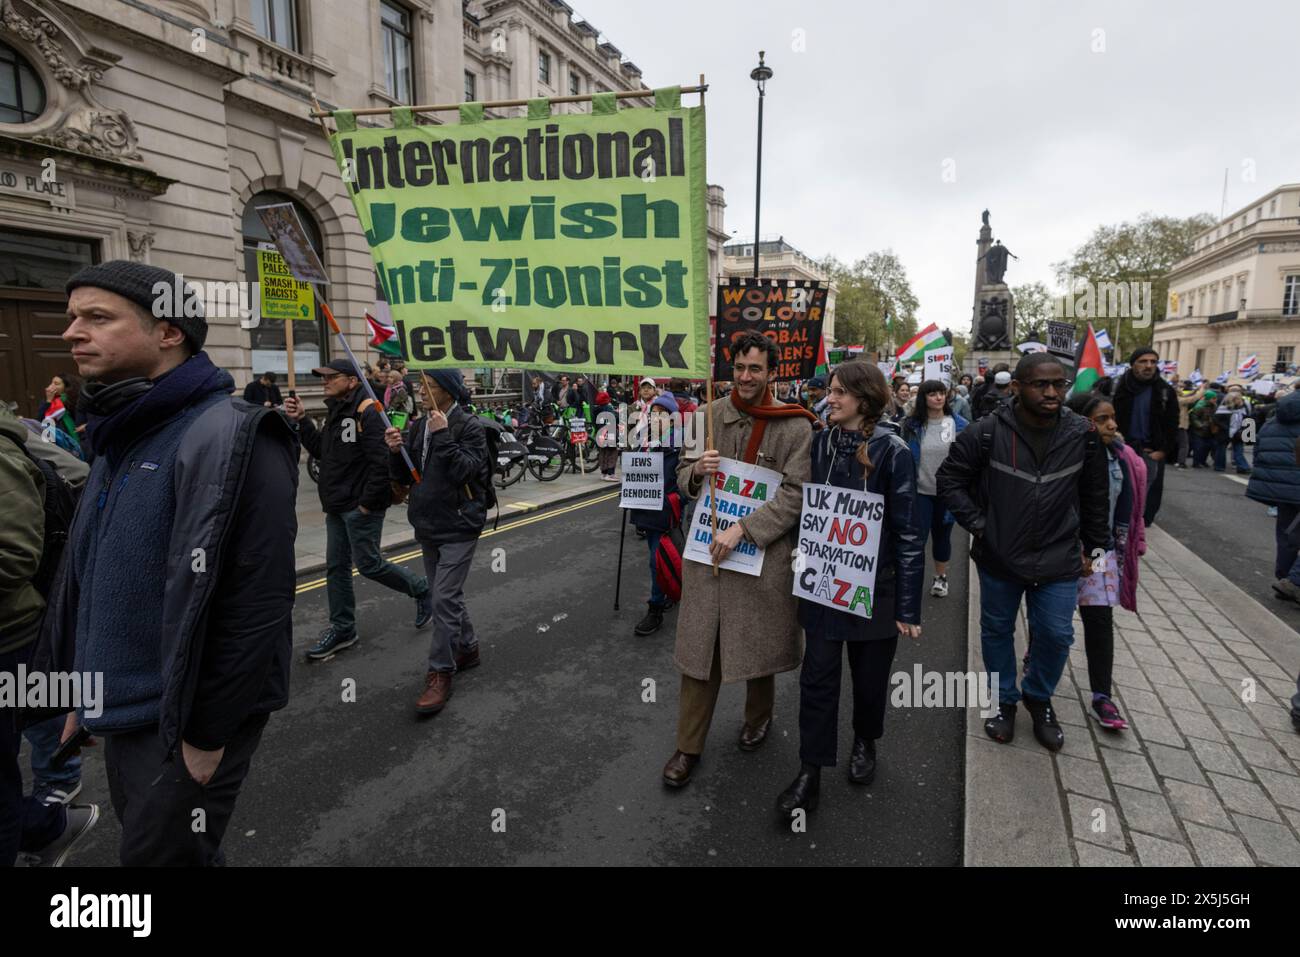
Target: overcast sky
(1053,138)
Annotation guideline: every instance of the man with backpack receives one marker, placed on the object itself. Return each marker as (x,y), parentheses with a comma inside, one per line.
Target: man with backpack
(1028,481)
(33,525)
(448,508)
(995,393)
(355,493)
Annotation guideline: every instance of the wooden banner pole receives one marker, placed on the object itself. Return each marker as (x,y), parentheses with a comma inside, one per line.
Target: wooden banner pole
(319,113)
(288,349)
(708,411)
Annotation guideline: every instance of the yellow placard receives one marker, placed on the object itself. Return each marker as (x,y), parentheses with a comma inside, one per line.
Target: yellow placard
(282,296)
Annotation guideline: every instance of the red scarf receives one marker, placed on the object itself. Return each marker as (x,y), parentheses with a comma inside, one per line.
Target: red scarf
(765,410)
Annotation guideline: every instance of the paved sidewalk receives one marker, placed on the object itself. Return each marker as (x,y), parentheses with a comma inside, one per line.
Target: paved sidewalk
(526,495)
(1202,777)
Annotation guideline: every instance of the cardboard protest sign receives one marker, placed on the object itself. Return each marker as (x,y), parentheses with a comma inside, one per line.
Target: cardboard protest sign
(839,541)
(574,241)
(280,295)
(939,365)
(281,221)
(643,480)
(741,488)
(789,312)
(1060,339)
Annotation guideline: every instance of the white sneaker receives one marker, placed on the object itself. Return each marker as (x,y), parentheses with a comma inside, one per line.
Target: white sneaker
(940,587)
(59,795)
(81,818)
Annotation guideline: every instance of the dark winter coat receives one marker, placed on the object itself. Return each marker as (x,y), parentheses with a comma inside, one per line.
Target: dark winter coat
(1162,427)
(1027,518)
(1275,478)
(449,503)
(900,560)
(224,633)
(352,454)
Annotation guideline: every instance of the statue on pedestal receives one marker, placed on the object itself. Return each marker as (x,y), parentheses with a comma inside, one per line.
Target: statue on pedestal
(995,262)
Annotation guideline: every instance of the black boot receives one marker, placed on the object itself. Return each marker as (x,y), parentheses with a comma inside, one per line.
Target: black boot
(802,792)
(862,761)
(1046,728)
(1002,726)
(652,620)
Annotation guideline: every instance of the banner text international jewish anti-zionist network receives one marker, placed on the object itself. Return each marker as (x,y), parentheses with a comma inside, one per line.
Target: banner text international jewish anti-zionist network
(568,241)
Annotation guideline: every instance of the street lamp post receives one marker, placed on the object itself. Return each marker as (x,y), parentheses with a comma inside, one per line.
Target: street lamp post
(760,75)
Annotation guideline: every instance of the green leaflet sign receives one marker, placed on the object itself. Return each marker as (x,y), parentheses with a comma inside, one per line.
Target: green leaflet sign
(550,241)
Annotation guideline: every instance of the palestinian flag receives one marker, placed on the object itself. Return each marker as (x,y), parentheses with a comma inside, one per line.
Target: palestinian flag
(56,410)
(823,365)
(914,349)
(382,334)
(1090,369)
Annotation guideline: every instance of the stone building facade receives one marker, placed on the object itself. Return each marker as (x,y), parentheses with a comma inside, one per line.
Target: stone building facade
(1238,293)
(150,129)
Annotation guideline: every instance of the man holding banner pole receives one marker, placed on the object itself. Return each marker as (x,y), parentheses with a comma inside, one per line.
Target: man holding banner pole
(354,493)
(740,625)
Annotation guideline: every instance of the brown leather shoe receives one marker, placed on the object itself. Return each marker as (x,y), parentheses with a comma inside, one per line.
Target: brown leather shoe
(677,772)
(467,659)
(751,739)
(437,689)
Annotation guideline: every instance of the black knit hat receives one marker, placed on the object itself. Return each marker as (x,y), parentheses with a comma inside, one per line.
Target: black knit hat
(1141,351)
(160,292)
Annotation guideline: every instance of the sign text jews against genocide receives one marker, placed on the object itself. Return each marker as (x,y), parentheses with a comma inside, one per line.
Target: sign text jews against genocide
(839,542)
(643,480)
(741,488)
(789,312)
(574,241)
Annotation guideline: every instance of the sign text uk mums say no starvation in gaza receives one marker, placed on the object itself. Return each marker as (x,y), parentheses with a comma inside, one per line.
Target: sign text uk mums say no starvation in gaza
(567,241)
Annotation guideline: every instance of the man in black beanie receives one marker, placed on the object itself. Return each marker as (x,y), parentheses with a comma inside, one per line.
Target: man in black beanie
(178,576)
(1146,410)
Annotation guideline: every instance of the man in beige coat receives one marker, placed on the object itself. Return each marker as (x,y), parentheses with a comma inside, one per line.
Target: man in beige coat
(737,627)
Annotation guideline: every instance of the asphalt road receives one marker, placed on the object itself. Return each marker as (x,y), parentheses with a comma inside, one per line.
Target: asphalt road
(1209,513)
(552,729)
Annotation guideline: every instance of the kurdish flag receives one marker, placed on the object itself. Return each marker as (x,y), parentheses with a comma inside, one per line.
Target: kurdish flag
(1090,369)
(913,350)
(382,333)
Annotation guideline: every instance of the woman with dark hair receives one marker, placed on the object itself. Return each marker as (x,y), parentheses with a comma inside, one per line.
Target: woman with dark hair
(928,432)
(59,412)
(857,450)
(1114,574)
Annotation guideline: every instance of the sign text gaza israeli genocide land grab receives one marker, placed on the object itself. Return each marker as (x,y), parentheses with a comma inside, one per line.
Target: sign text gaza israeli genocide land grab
(567,241)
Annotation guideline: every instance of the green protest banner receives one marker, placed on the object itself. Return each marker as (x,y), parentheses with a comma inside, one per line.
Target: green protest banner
(572,241)
(282,296)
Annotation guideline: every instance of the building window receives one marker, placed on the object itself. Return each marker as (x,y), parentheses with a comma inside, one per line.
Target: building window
(277,20)
(267,340)
(1286,354)
(471,87)
(22,97)
(544,67)
(575,84)
(1272,207)
(1200,359)
(1291,296)
(396,24)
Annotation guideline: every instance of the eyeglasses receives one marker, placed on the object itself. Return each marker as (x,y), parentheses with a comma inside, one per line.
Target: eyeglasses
(329,376)
(1042,385)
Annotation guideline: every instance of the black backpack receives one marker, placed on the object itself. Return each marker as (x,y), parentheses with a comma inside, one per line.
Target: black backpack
(60,506)
(492,432)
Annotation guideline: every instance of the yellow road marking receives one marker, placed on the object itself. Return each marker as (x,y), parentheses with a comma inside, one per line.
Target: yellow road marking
(407,556)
